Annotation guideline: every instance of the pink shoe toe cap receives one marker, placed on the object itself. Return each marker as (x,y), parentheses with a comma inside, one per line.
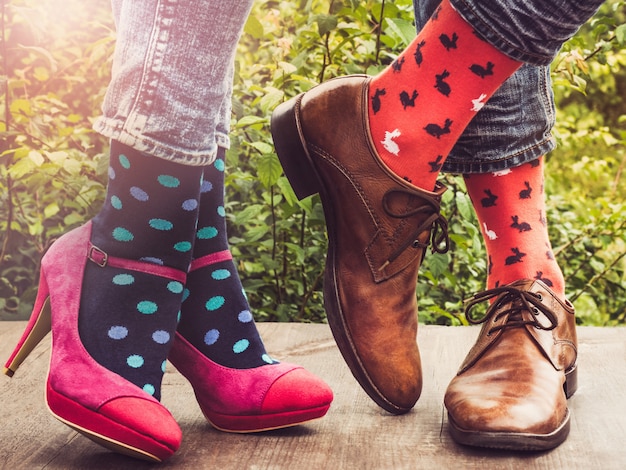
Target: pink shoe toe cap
(150,421)
(298,389)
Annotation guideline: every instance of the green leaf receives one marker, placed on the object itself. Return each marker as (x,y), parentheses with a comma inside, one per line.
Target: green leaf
(21,106)
(620,34)
(271,99)
(57,157)
(72,166)
(41,74)
(248,213)
(269,170)
(438,264)
(287,67)
(287,191)
(21,168)
(51,210)
(307,204)
(40,51)
(403,29)
(262,147)
(254,27)
(256,233)
(250,121)
(464,205)
(326,23)
(35,228)
(36,157)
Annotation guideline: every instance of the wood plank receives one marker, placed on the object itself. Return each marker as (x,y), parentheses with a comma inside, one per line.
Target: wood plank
(354,434)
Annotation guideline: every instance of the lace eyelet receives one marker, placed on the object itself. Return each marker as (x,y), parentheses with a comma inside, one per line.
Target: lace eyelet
(416,244)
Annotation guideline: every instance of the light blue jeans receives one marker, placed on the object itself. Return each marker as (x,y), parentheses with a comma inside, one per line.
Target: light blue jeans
(170,92)
(171,87)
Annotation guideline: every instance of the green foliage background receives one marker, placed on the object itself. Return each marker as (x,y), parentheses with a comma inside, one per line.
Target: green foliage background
(55,67)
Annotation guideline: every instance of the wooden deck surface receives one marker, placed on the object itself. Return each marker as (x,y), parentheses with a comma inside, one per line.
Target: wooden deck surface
(355,434)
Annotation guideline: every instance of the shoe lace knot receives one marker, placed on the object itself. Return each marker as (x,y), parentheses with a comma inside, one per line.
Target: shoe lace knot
(510,304)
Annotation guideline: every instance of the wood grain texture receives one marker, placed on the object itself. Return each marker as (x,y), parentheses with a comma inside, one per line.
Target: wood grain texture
(355,434)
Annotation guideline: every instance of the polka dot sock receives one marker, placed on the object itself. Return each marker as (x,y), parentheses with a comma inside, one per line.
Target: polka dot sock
(127,317)
(216,316)
(420,104)
(511,210)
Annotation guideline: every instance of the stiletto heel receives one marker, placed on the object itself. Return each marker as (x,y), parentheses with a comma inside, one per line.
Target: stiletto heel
(249,400)
(37,328)
(291,148)
(80,392)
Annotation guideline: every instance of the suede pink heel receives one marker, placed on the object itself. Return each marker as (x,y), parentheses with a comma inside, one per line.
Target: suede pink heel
(80,392)
(249,400)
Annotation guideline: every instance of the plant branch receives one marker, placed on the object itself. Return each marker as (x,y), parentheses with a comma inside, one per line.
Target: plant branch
(7,126)
(589,56)
(5,68)
(379,30)
(275,245)
(302,237)
(309,293)
(5,242)
(597,276)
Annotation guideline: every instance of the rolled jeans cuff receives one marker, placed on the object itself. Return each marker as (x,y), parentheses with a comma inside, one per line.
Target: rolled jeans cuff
(171,87)
(530,31)
(514,126)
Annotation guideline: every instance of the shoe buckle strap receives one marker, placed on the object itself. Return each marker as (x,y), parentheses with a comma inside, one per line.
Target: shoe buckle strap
(97,255)
(103,259)
(210,259)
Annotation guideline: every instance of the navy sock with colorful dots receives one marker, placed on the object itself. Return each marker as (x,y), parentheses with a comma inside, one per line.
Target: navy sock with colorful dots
(215,314)
(134,278)
(422,102)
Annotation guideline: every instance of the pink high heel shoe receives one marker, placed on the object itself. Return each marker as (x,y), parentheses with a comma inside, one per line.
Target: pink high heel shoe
(249,400)
(79,391)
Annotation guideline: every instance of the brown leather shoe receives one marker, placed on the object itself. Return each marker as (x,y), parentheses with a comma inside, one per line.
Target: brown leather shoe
(511,392)
(379,227)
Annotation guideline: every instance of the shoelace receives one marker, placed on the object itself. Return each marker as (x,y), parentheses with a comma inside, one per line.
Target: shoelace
(435,223)
(519,300)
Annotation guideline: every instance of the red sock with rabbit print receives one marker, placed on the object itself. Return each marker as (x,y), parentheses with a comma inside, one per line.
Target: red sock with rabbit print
(422,102)
(511,210)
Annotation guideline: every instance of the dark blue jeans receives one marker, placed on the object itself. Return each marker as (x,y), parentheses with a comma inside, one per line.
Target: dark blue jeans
(515,126)
(530,31)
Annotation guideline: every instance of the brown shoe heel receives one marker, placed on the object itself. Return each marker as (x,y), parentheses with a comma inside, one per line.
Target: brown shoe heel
(291,148)
(571,381)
